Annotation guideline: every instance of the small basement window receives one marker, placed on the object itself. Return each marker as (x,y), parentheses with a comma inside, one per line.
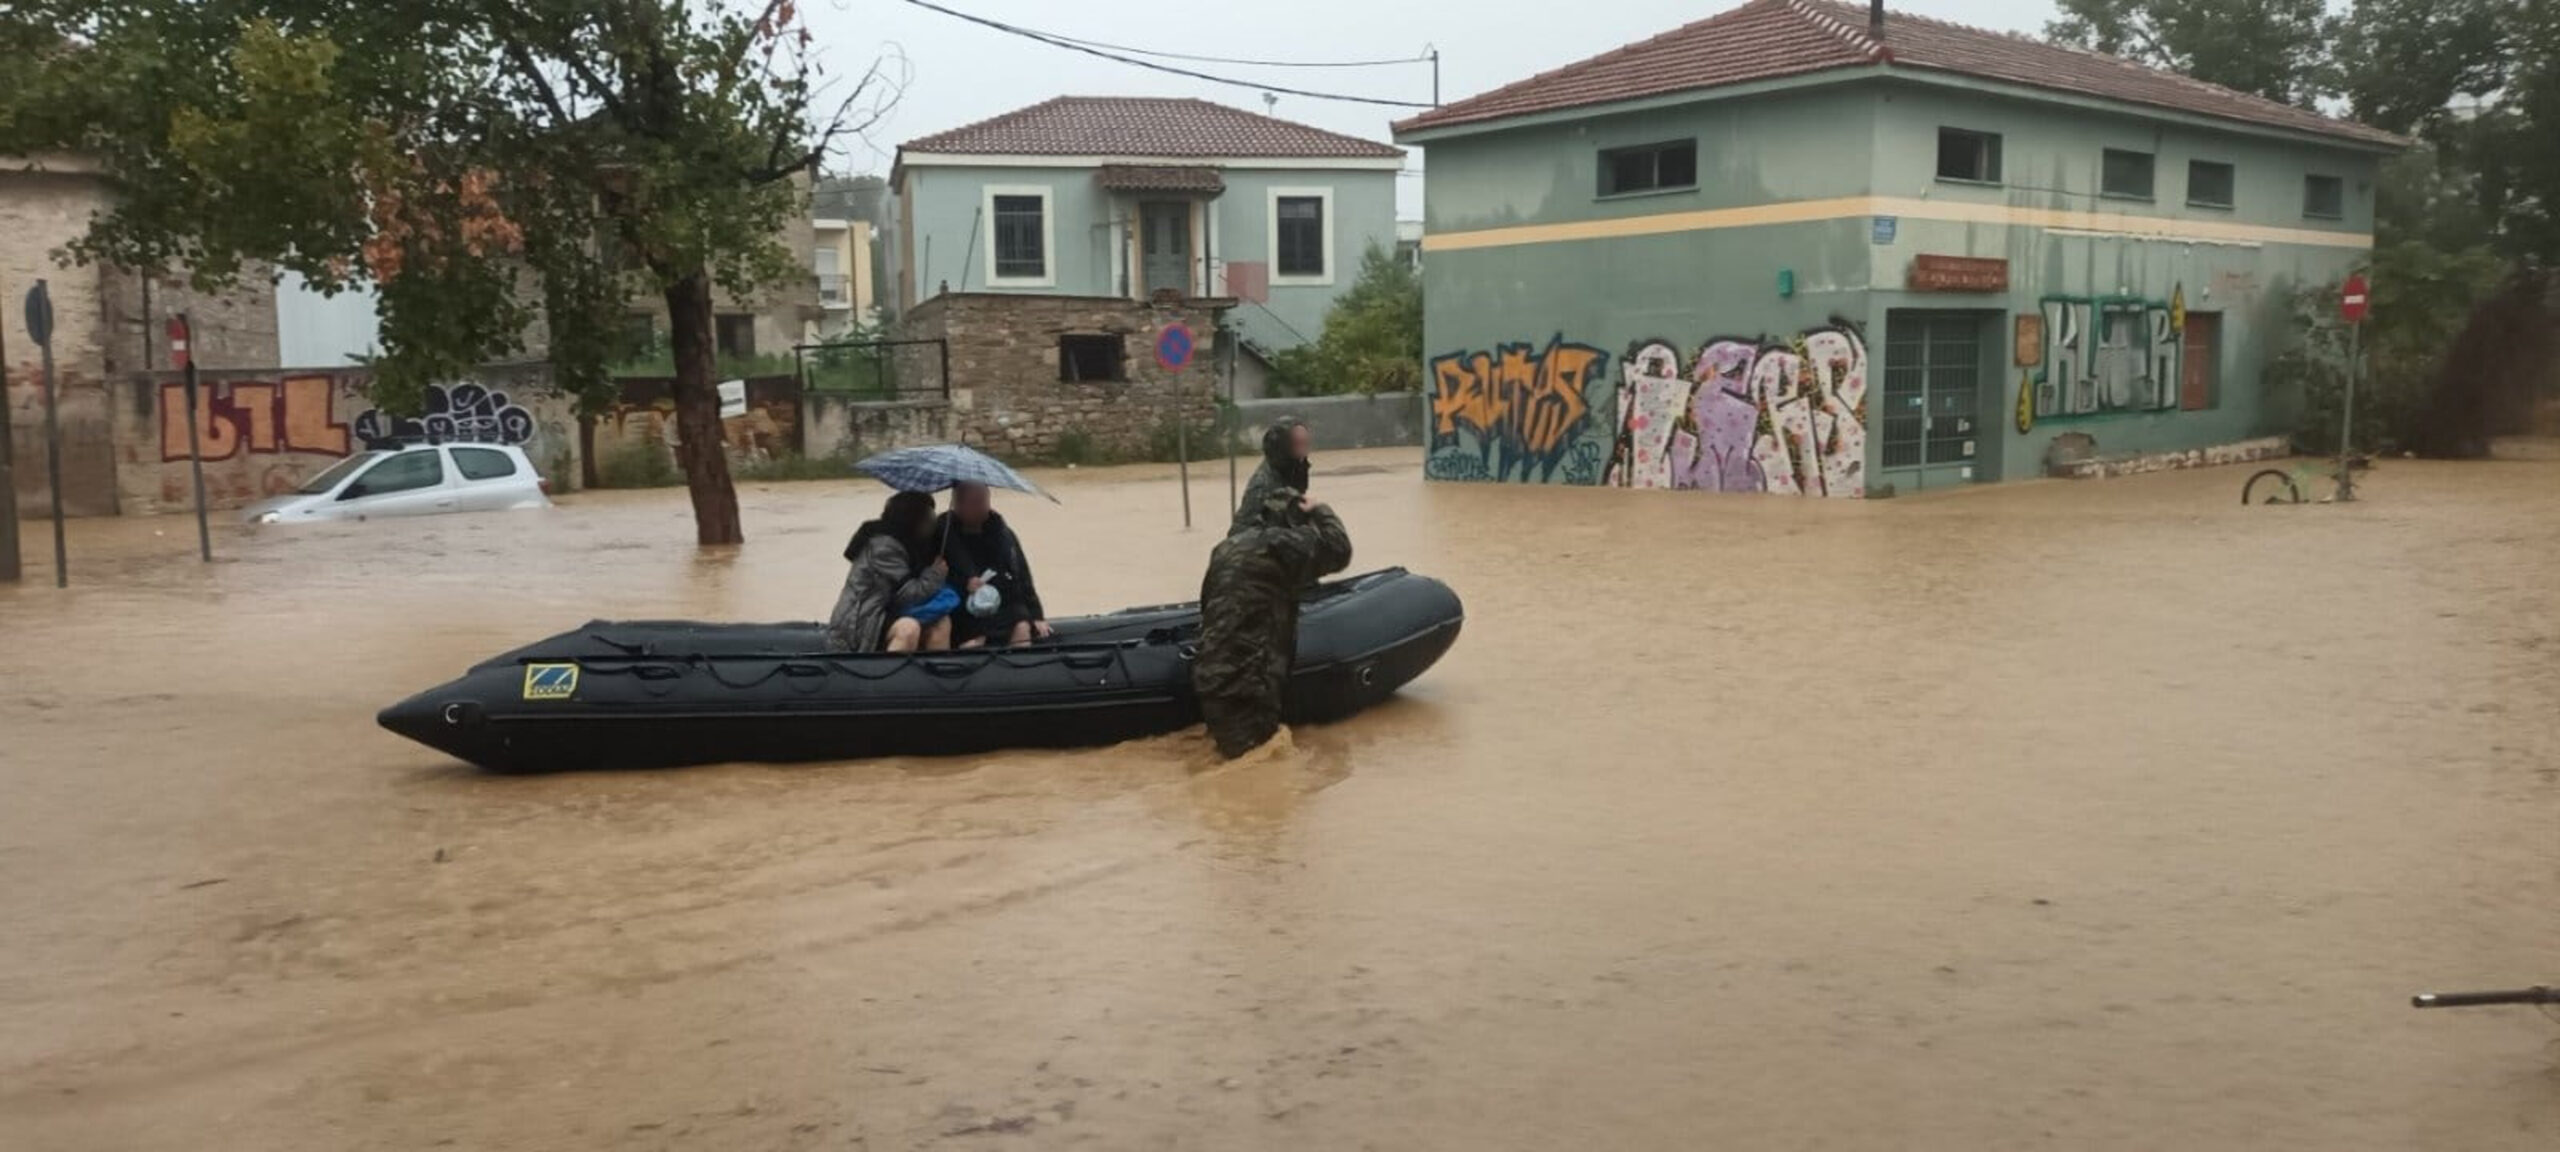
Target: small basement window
(2209,184)
(734,335)
(2324,197)
(2125,174)
(1083,358)
(1649,168)
(1968,156)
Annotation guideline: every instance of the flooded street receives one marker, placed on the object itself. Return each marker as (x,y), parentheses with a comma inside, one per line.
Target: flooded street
(2107,815)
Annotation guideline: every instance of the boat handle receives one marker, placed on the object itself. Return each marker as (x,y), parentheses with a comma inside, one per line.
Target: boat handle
(655,672)
(947,668)
(1089,660)
(793,668)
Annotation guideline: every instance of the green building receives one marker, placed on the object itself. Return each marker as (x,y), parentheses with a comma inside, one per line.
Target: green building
(1812,249)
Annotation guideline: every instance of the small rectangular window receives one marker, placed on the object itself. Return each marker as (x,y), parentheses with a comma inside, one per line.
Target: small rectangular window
(1301,222)
(2125,174)
(1083,358)
(2209,184)
(1971,156)
(1649,168)
(2324,197)
(483,464)
(1021,233)
(734,334)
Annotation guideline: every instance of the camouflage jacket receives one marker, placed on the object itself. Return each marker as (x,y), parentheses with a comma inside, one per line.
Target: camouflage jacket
(1249,599)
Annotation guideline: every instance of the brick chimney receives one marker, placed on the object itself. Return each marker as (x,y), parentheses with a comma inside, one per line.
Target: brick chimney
(1875,18)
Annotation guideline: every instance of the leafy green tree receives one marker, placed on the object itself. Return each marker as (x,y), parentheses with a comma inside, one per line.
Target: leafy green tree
(484,163)
(1372,340)
(2272,48)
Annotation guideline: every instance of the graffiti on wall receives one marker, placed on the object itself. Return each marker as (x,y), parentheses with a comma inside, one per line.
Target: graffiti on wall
(1742,415)
(1513,413)
(1746,415)
(260,418)
(2106,354)
(469,412)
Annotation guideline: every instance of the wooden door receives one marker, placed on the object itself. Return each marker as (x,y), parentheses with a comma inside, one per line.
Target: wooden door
(2203,356)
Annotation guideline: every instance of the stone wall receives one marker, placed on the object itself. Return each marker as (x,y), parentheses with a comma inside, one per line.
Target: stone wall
(2100,467)
(102,331)
(263,432)
(1006,395)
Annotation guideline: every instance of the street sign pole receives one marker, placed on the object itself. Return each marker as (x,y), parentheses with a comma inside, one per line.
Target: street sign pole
(9,570)
(1230,344)
(182,350)
(2352,306)
(1173,354)
(40,326)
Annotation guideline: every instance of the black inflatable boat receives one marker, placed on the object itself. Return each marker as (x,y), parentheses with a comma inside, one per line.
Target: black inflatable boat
(662,693)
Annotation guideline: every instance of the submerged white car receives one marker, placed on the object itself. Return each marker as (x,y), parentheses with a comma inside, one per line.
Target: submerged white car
(413,480)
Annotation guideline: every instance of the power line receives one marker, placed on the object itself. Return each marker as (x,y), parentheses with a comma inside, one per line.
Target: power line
(1396,62)
(1075,46)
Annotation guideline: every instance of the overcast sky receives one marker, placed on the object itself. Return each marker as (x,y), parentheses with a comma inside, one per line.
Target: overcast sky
(960,72)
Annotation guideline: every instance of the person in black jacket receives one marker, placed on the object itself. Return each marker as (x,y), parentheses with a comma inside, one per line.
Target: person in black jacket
(983,553)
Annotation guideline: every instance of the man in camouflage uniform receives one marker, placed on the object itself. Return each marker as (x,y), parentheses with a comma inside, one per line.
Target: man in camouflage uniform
(1249,615)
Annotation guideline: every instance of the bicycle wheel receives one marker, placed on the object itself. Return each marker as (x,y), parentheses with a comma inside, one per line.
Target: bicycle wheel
(2271,486)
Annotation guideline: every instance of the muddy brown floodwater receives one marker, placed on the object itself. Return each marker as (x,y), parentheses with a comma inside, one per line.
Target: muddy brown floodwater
(2088,816)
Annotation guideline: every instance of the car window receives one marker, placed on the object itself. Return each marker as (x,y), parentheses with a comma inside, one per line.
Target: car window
(483,464)
(328,478)
(406,472)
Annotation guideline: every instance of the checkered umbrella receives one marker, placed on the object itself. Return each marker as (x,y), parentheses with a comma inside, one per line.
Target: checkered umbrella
(934,467)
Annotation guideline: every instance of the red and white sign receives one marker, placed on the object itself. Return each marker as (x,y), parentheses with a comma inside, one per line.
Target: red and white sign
(178,342)
(2351,301)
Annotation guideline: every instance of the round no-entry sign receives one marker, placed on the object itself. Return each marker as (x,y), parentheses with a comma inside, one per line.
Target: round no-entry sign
(179,354)
(1173,346)
(2351,301)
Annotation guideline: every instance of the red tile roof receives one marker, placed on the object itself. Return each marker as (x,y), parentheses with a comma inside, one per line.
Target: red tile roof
(1145,126)
(1769,39)
(1158,178)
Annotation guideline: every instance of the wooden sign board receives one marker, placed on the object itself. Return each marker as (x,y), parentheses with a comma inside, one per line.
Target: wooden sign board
(1958,274)
(2030,339)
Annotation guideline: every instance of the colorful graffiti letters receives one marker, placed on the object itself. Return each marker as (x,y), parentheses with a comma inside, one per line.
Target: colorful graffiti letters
(254,417)
(1748,416)
(1520,406)
(2109,354)
(459,412)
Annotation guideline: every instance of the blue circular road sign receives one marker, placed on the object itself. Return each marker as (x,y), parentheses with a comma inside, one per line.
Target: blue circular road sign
(1173,346)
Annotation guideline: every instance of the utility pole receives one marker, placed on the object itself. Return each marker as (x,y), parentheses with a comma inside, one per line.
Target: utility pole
(40,327)
(1434,54)
(9,570)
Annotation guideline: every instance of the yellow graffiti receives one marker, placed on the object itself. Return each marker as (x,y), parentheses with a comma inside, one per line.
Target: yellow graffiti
(2026,401)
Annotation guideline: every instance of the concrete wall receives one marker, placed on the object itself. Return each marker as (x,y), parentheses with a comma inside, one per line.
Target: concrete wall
(263,432)
(2051,164)
(1739,335)
(848,429)
(1386,420)
(947,236)
(1005,393)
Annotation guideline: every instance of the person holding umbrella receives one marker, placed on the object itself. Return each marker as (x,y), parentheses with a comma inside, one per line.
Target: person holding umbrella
(1000,605)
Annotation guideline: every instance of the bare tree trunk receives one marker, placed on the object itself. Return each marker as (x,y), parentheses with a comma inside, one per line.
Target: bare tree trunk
(700,447)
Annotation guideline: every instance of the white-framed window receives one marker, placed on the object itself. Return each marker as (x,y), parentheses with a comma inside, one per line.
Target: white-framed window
(1022,250)
(1301,235)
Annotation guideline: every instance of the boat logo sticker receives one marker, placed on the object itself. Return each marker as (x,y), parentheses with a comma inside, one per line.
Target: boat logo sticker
(550,681)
